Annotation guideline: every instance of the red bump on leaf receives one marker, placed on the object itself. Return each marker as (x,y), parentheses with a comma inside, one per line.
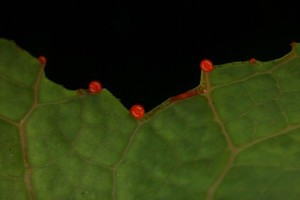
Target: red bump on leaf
(206,65)
(42,60)
(252,60)
(137,111)
(95,87)
(184,95)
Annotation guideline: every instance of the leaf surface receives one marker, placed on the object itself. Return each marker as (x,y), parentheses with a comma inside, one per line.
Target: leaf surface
(236,135)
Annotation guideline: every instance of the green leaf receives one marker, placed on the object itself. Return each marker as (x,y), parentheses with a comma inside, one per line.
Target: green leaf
(237,136)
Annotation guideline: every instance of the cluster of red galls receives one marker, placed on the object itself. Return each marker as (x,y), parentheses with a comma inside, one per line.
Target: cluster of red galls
(137,111)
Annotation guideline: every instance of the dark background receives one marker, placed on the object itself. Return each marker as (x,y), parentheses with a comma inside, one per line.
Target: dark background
(144,52)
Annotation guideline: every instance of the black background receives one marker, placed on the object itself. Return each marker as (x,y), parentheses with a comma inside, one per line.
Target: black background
(144,52)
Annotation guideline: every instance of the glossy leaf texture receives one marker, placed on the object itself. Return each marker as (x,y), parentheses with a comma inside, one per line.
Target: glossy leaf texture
(235,136)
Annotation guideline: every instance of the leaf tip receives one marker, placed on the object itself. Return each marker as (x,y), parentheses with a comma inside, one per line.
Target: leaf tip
(252,60)
(206,65)
(95,87)
(137,111)
(42,60)
(295,47)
